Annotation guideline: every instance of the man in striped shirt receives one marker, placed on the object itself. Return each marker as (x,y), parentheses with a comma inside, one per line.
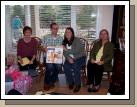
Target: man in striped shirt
(52,69)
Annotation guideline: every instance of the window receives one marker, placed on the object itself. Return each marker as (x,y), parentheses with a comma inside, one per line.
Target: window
(17,16)
(86,21)
(55,13)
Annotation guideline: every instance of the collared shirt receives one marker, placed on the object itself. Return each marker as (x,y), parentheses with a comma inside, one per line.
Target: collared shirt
(52,41)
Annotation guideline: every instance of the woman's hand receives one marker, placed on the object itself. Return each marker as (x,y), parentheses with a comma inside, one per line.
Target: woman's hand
(21,61)
(93,61)
(100,62)
(71,60)
(31,62)
(64,48)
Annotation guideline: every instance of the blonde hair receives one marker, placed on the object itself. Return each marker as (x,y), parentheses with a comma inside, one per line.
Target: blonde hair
(12,56)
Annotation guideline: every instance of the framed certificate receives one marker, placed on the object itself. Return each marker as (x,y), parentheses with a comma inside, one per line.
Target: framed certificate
(54,54)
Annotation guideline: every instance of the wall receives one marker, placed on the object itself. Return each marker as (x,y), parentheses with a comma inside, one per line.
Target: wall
(105,18)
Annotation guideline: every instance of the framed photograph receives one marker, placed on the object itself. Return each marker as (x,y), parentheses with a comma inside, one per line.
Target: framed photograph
(87,18)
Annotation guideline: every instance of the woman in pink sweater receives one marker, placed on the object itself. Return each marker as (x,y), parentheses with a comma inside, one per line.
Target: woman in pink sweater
(27,47)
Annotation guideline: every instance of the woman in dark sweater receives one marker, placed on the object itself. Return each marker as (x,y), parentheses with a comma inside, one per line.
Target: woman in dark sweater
(27,47)
(100,60)
(75,57)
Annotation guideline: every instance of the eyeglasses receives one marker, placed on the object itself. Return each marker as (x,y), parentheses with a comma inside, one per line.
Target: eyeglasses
(55,28)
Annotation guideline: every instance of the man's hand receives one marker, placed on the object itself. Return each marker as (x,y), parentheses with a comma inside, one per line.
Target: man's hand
(45,49)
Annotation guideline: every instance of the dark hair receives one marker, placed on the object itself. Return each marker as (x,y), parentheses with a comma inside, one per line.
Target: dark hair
(27,28)
(65,41)
(52,24)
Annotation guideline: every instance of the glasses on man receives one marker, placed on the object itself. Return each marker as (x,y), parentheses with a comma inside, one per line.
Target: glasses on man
(56,28)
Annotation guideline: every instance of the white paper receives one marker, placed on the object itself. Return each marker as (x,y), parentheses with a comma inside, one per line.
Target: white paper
(71,55)
(54,54)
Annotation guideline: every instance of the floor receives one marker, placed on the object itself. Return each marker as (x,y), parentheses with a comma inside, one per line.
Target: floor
(61,88)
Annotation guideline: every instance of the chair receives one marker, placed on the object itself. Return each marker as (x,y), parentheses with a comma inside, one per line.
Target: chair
(108,73)
(40,66)
(39,48)
(83,68)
